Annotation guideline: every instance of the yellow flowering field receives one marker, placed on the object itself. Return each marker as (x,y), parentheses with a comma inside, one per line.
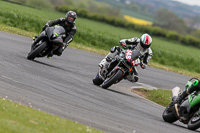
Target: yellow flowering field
(137,21)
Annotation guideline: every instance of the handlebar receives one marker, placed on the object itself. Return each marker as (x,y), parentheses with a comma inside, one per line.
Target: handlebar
(193,78)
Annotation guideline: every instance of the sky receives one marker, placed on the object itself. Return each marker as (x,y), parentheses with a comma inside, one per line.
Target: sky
(190,2)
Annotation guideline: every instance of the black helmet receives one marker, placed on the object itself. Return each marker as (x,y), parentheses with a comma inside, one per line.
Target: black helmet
(70,17)
(145,41)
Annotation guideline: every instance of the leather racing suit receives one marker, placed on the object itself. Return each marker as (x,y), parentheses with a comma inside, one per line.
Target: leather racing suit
(70,32)
(145,55)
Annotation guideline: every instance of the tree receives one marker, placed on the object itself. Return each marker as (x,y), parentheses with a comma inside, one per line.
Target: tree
(193,23)
(196,33)
(168,20)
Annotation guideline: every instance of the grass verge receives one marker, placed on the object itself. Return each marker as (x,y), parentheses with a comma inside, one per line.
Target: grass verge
(159,96)
(21,119)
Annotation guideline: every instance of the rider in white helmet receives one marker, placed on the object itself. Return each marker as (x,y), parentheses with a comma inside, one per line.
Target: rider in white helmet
(141,45)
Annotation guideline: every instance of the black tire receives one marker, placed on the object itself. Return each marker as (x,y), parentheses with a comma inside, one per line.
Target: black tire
(194,122)
(34,53)
(97,80)
(108,82)
(168,115)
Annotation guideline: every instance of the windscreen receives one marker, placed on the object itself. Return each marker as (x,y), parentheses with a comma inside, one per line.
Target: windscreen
(59,30)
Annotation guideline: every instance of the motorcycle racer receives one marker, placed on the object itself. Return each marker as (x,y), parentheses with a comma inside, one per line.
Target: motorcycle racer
(70,27)
(141,45)
(190,88)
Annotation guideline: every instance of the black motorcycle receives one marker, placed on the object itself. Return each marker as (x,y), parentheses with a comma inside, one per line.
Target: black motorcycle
(118,69)
(187,112)
(48,41)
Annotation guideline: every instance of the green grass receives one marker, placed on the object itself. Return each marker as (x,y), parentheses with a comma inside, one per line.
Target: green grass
(159,96)
(16,118)
(17,31)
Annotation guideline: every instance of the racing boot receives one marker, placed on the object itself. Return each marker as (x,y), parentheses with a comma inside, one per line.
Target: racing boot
(34,42)
(190,88)
(178,99)
(34,38)
(104,63)
(103,66)
(132,78)
(50,55)
(60,50)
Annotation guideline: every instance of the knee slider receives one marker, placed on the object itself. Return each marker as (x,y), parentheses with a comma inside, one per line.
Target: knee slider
(113,49)
(136,78)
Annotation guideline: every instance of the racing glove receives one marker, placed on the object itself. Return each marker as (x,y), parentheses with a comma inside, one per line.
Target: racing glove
(142,65)
(65,45)
(45,26)
(123,45)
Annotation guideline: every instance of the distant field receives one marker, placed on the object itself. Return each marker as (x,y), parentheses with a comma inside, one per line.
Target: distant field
(128,12)
(136,15)
(99,35)
(137,21)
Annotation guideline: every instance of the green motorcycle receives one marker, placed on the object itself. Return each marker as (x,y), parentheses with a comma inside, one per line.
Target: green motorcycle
(188,111)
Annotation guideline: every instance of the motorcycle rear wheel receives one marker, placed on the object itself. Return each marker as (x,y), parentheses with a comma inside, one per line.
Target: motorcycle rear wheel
(34,53)
(97,80)
(194,122)
(168,115)
(110,81)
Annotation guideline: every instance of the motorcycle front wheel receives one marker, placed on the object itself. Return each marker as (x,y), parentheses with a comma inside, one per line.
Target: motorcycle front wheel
(168,115)
(35,52)
(194,122)
(112,79)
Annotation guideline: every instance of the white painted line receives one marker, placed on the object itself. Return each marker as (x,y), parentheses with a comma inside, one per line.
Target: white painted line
(9,79)
(143,85)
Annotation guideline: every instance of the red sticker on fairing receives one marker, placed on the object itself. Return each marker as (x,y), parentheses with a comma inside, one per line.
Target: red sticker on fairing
(136,62)
(128,55)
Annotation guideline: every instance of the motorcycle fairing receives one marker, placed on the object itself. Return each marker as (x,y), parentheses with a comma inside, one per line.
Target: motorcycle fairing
(194,99)
(184,111)
(186,107)
(135,54)
(49,32)
(58,31)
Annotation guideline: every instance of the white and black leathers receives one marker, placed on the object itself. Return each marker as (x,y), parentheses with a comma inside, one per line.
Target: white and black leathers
(134,44)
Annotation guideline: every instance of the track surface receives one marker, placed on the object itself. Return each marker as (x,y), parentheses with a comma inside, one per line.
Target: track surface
(63,86)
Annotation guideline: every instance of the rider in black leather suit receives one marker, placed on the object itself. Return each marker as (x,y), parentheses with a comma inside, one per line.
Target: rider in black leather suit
(70,27)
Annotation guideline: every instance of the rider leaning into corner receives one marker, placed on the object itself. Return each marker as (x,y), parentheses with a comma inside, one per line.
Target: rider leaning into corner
(190,88)
(141,45)
(69,25)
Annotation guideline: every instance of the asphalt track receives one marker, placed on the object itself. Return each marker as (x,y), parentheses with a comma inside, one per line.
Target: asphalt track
(63,86)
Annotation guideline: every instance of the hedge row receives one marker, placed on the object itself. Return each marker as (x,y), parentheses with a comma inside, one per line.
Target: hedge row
(116,21)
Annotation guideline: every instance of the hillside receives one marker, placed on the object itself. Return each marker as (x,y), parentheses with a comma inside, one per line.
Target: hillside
(148,8)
